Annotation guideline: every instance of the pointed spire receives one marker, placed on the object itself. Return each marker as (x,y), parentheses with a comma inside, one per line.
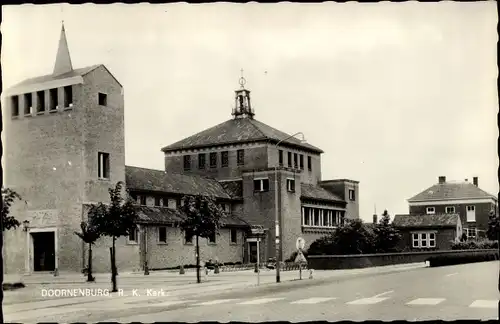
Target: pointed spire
(63,59)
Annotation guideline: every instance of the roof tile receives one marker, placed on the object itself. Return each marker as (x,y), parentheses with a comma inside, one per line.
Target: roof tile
(316,192)
(426,221)
(451,190)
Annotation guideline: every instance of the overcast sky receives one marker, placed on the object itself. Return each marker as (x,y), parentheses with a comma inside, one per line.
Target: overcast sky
(396,94)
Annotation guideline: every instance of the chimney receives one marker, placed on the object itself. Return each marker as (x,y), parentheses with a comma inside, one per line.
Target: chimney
(475,181)
(374,218)
(442,179)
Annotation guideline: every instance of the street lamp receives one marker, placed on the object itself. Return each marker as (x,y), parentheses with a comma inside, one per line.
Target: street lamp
(278,218)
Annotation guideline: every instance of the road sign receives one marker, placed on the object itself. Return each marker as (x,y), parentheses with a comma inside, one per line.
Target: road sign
(300,243)
(300,258)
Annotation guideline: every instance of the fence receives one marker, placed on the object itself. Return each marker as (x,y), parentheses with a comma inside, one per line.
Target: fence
(328,262)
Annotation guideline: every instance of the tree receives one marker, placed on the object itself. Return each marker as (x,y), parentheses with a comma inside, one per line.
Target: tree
(387,236)
(493,231)
(8,198)
(114,220)
(89,234)
(352,237)
(203,217)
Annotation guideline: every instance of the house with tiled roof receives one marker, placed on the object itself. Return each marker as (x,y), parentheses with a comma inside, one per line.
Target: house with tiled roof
(428,232)
(464,198)
(67,148)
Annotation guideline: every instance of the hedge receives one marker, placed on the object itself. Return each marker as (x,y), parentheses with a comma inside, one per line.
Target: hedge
(444,260)
(475,245)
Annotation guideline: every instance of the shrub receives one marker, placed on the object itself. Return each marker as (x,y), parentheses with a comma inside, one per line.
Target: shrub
(444,260)
(475,245)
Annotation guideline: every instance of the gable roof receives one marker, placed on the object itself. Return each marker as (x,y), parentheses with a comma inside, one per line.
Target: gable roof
(451,190)
(426,221)
(315,192)
(157,180)
(239,130)
(168,216)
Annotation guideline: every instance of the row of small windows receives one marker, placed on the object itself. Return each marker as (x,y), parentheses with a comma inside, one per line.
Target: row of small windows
(262,185)
(188,239)
(319,217)
(213,156)
(297,161)
(51,105)
(162,201)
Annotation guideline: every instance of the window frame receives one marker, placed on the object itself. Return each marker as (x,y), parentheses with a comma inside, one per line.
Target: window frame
(448,212)
(290,184)
(289,159)
(309,163)
(301,161)
(295,160)
(28,104)
(53,100)
(352,195)
(68,92)
(427,210)
(280,158)
(143,200)
(231,231)
(240,157)
(158,201)
(212,157)
(186,162)
(262,187)
(424,240)
(224,158)
(202,161)
(103,166)
(136,237)
(102,99)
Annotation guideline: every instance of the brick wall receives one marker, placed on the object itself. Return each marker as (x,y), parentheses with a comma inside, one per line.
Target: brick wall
(444,237)
(341,189)
(307,176)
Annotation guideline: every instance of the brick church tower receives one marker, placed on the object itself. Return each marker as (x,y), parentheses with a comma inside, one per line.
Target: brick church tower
(64,146)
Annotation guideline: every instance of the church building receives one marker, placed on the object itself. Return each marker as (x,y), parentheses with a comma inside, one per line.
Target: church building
(65,148)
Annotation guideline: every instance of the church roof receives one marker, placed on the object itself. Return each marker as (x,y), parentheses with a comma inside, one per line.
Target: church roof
(238,130)
(161,181)
(316,192)
(451,190)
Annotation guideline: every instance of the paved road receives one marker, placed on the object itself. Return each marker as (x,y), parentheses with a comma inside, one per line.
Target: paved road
(448,293)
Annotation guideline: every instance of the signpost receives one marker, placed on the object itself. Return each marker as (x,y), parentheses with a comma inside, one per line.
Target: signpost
(258,265)
(300,258)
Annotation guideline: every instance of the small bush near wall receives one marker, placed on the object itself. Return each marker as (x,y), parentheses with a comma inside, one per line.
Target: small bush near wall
(475,245)
(444,260)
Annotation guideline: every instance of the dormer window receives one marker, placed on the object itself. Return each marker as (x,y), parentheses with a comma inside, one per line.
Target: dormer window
(28,104)
(261,185)
(430,210)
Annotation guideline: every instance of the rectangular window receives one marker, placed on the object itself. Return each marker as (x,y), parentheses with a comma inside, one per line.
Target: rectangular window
(432,240)
(143,200)
(28,104)
(213,160)
(103,99)
(188,238)
(133,236)
(162,234)
(309,163)
(240,157)
(165,202)
(14,100)
(54,100)
(261,185)
(471,213)
(306,216)
(224,157)
(289,159)
(211,238)
(450,210)
(280,157)
(157,201)
(234,236)
(103,167)
(301,160)
(423,240)
(68,96)
(40,105)
(416,241)
(290,185)
(430,210)
(295,160)
(201,161)
(352,195)
(187,162)
(316,217)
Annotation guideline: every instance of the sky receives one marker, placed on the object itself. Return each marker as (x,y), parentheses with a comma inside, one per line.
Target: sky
(396,94)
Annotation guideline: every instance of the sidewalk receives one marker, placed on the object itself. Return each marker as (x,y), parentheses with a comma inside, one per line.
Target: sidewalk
(171,285)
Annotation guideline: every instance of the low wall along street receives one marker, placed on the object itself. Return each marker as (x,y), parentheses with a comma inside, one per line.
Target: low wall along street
(328,262)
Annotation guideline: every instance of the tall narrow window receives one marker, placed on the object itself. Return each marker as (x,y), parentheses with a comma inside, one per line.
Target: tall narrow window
(309,163)
(188,238)
(295,161)
(290,185)
(280,157)
(54,101)
(28,104)
(40,105)
(301,160)
(133,236)
(224,158)
(68,96)
(14,100)
(201,161)
(240,157)
(162,234)
(352,195)
(103,99)
(157,201)
(144,200)
(187,162)
(289,159)
(234,236)
(103,165)
(213,160)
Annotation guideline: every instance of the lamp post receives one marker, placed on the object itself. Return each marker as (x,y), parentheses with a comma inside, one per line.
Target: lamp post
(277,214)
